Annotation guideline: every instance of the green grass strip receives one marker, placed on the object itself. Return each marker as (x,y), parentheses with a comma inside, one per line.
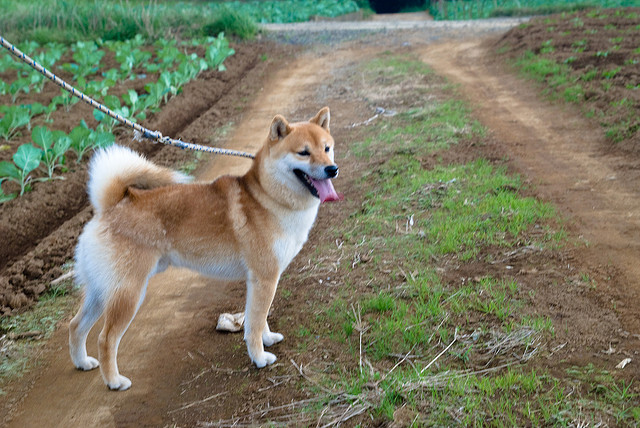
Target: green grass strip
(479,9)
(68,21)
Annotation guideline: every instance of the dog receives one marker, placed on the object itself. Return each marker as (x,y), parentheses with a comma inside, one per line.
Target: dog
(147,218)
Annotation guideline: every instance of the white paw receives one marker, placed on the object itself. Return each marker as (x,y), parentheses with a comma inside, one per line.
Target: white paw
(89,363)
(270,338)
(264,359)
(120,384)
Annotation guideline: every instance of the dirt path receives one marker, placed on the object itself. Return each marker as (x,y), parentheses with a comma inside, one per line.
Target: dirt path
(179,311)
(562,154)
(172,341)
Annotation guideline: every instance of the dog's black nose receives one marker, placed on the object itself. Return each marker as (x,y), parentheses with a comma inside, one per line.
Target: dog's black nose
(331,171)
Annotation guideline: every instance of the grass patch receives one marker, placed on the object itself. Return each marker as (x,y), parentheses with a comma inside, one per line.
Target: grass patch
(554,75)
(426,129)
(479,9)
(422,128)
(230,21)
(69,21)
(442,351)
(396,67)
(451,209)
(585,84)
(21,334)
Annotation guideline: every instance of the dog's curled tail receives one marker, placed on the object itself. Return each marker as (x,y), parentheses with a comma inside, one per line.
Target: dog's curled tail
(114,169)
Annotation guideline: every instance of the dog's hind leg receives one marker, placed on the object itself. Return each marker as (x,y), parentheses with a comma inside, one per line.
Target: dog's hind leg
(93,273)
(121,309)
(92,308)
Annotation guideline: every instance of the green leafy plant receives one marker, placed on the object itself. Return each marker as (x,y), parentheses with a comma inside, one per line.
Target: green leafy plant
(547,47)
(84,139)
(7,62)
(80,140)
(217,52)
(53,146)
(187,70)
(87,57)
(95,88)
(136,104)
(19,85)
(113,103)
(65,99)
(579,46)
(167,54)
(129,55)
(6,197)
(156,92)
(172,82)
(35,109)
(25,160)
(14,118)
(610,74)
(53,105)
(101,139)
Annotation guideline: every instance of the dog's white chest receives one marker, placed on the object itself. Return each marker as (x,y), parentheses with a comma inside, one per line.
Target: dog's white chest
(295,229)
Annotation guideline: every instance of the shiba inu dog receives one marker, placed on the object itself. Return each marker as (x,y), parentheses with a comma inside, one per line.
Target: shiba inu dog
(237,228)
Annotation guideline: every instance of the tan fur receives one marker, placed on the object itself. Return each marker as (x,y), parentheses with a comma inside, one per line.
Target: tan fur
(247,227)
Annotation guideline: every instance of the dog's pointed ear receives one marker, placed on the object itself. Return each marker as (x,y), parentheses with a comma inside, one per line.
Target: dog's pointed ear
(322,119)
(279,128)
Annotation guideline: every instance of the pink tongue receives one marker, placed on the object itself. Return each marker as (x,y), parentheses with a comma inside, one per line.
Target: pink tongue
(325,189)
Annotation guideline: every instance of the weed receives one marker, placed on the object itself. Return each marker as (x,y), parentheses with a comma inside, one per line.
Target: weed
(29,328)
(547,47)
(610,74)
(51,20)
(579,46)
(589,75)
(233,22)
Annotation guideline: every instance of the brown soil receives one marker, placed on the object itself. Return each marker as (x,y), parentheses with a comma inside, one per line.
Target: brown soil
(601,50)
(186,374)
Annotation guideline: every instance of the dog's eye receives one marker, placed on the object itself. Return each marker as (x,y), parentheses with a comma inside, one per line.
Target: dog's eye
(304,152)
(327,148)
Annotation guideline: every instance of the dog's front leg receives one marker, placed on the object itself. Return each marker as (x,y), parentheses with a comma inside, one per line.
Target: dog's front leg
(260,292)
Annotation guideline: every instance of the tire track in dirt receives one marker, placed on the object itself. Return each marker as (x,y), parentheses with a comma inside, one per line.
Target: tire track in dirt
(562,154)
(174,318)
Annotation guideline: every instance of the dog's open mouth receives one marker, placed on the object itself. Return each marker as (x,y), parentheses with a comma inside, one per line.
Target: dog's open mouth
(321,189)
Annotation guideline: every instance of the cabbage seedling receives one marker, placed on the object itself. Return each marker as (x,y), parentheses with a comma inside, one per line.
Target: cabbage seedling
(25,159)
(53,147)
